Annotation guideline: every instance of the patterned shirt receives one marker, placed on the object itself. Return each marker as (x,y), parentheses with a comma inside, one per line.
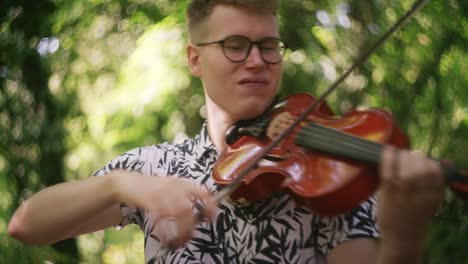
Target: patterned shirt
(272,231)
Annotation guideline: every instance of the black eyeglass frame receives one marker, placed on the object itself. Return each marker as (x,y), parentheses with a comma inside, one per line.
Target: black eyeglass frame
(282,46)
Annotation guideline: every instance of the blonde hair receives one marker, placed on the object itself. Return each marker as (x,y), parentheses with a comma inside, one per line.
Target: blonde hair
(199,10)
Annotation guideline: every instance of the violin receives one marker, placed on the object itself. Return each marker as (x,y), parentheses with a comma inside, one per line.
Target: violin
(327,163)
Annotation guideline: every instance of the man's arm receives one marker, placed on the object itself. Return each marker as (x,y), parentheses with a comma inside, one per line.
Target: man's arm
(358,251)
(372,251)
(69,209)
(58,212)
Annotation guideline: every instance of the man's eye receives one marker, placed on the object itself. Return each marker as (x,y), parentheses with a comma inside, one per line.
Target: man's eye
(270,45)
(235,47)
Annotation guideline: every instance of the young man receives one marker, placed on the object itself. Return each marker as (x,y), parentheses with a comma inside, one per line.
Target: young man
(235,50)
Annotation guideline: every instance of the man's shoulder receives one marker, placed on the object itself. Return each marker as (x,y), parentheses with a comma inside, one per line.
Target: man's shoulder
(156,155)
(165,149)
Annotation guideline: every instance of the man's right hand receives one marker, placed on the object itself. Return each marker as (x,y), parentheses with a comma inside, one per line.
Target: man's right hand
(164,198)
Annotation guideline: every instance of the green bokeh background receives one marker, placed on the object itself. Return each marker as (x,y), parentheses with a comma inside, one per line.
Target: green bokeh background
(83,81)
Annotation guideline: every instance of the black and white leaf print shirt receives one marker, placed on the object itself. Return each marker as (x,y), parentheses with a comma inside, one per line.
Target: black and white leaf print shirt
(273,231)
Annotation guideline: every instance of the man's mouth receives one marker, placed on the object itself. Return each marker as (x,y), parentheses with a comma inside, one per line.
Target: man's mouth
(253,80)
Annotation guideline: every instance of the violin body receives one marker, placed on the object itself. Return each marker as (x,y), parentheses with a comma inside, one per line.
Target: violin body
(324,183)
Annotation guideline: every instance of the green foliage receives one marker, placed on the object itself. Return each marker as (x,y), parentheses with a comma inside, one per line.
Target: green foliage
(13,252)
(31,121)
(119,80)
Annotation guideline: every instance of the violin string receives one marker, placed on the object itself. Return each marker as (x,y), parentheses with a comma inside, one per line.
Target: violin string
(324,139)
(343,138)
(356,148)
(334,142)
(338,143)
(330,135)
(342,151)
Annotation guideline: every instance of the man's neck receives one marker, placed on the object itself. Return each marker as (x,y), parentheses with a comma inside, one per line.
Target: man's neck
(217,138)
(218,123)
(217,127)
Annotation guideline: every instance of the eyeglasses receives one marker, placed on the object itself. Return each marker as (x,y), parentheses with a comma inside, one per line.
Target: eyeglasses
(237,48)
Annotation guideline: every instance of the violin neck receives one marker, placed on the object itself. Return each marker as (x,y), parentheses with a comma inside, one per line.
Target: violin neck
(331,141)
(334,142)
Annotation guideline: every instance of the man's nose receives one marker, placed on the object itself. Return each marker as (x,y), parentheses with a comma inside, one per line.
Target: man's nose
(254,58)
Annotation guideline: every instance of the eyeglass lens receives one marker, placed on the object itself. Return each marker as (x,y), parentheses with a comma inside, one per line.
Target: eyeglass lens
(237,49)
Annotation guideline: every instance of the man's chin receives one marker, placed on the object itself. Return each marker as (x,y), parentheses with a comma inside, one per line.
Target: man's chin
(250,112)
(250,108)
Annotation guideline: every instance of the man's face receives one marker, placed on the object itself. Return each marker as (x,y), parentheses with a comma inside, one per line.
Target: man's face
(244,89)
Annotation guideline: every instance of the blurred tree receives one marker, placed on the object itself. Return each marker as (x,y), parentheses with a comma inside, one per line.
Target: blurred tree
(32,121)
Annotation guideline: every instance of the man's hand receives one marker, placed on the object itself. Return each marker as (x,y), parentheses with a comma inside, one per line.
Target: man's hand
(164,198)
(410,193)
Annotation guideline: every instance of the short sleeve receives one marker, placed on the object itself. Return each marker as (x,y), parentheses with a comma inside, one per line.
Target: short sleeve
(128,161)
(360,222)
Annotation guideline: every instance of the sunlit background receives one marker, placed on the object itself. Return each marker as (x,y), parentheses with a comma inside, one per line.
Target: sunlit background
(83,81)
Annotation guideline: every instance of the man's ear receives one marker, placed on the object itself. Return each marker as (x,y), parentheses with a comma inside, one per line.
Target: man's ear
(193,57)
